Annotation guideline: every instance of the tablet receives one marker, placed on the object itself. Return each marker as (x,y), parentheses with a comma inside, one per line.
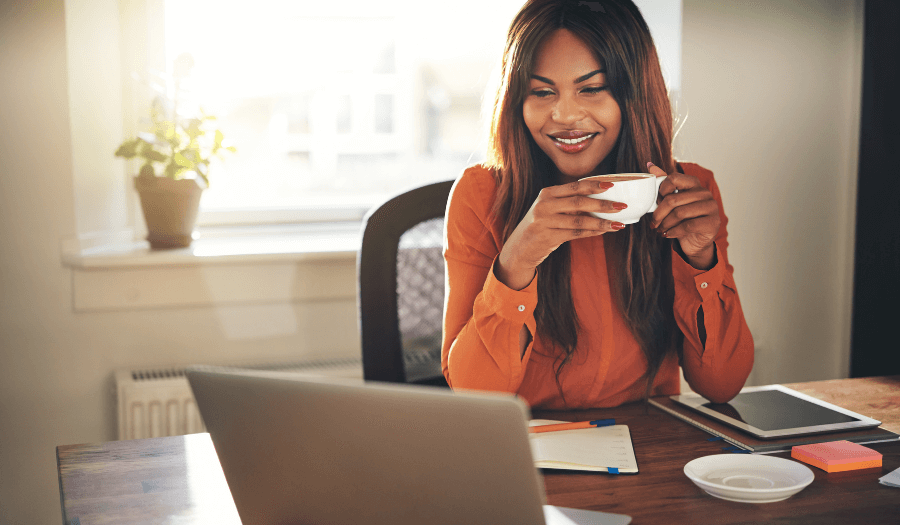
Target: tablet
(775,411)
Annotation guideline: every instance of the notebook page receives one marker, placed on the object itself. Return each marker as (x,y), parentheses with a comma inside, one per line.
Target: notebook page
(601,447)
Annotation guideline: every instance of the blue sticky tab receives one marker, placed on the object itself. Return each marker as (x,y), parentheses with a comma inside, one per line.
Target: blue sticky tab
(716,438)
(603,422)
(613,470)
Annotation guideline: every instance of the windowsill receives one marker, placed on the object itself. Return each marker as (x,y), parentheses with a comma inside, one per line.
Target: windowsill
(223,267)
(248,245)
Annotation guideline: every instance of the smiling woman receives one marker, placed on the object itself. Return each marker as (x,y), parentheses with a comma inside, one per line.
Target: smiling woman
(573,119)
(547,300)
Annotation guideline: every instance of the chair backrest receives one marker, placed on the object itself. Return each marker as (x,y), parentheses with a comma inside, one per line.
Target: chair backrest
(400,272)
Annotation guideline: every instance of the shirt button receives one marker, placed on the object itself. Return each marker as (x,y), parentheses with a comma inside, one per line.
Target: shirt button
(703,285)
(521,307)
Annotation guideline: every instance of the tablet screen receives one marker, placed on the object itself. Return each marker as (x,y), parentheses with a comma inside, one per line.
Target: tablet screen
(776,410)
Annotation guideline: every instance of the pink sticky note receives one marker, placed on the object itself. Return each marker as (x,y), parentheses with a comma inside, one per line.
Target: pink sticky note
(837,456)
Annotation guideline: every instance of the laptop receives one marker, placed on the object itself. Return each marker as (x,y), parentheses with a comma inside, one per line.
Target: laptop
(298,449)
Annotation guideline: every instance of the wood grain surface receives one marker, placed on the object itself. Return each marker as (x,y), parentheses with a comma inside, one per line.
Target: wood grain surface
(172,480)
(875,397)
(661,493)
(178,480)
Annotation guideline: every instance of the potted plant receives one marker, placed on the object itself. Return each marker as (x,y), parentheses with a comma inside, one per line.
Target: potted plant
(176,154)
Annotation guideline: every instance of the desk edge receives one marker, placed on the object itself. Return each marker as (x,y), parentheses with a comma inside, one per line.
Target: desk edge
(62,502)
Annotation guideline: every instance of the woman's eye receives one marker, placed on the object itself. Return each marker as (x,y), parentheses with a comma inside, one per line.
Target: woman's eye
(592,90)
(541,93)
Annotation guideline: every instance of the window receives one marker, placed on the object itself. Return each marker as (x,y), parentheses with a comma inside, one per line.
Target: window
(335,107)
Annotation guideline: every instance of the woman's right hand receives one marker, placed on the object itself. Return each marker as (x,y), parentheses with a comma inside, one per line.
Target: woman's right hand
(559,214)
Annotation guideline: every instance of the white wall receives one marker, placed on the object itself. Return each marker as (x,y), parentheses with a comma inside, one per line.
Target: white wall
(772,94)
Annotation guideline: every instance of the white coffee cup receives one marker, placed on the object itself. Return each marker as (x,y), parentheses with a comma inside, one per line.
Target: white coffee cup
(637,190)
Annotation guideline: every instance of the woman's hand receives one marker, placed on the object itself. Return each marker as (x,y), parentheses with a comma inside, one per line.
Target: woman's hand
(687,212)
(559,214)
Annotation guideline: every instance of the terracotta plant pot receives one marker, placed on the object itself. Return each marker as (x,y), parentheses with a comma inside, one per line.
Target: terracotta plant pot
(170,210)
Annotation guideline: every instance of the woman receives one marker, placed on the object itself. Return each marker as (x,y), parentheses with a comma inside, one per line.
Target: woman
(546,301)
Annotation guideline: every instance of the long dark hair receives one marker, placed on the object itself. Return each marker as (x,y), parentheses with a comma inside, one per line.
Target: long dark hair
(639,260)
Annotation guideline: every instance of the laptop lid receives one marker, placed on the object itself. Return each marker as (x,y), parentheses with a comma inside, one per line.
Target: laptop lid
(301,450)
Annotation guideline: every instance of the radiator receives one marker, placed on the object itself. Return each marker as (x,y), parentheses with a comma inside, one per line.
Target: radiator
(159,402)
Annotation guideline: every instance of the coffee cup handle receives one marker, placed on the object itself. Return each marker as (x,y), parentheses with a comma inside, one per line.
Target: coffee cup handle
(658,182)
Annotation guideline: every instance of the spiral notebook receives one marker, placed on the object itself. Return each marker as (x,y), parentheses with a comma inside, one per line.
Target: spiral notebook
(601,449)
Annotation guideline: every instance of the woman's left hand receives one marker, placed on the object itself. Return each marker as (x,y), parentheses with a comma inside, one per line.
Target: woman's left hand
(689,213)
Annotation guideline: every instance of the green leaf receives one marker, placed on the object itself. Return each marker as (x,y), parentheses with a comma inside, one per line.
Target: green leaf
(128,149)
(181,160)
(162,131)
(193,129)
(179,145)
(192,152)
(153,156)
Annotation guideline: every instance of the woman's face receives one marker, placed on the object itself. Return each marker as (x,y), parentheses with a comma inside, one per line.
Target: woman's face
(568,108)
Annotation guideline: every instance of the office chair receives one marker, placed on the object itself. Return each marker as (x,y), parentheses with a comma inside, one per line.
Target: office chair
(400,271)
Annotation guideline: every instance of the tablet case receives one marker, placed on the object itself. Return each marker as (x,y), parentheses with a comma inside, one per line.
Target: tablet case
(755,445)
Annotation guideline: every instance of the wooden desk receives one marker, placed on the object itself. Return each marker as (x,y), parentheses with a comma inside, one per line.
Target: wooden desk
(179,480)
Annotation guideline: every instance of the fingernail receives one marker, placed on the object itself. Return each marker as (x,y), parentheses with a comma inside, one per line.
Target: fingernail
(650,165)
(605,185)
(619,205)
(617,225)
(665,234)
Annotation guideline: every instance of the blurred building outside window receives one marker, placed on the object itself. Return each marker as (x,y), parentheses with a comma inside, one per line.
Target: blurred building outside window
(335,107)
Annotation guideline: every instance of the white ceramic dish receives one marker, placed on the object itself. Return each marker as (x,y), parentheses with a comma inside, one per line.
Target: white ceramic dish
(639,194)
(748,478)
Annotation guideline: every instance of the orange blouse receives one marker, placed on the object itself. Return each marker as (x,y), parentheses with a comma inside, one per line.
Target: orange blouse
(483,318)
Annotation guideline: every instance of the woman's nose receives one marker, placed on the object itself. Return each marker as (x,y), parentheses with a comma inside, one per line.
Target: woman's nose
(567,110)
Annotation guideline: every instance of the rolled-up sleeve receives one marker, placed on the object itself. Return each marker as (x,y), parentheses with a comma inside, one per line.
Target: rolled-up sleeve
(718,367)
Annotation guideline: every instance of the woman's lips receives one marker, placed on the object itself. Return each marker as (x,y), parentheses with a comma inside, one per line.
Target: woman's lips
(572,142)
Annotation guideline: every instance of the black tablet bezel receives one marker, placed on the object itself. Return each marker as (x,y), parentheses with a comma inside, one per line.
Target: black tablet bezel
(696,402)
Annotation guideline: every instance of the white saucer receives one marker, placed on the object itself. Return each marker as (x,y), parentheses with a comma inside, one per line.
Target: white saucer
(748,478)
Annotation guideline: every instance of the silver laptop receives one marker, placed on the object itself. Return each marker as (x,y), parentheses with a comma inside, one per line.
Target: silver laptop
(296,449)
